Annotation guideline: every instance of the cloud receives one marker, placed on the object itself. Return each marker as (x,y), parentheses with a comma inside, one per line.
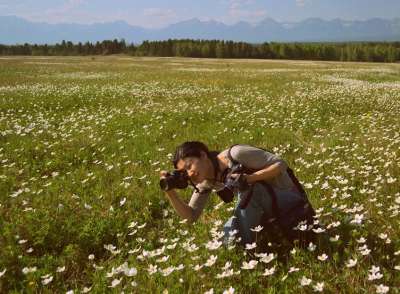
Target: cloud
(300,3)
(247,14)
(244,10)
(158,12)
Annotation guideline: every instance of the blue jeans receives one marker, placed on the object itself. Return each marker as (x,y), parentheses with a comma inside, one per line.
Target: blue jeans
(259,207)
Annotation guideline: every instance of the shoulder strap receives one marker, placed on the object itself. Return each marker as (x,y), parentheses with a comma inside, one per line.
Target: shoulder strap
(234,161)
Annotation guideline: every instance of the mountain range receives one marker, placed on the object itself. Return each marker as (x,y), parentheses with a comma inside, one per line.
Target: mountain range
(16,30)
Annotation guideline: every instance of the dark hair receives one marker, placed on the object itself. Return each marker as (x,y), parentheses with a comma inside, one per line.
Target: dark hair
(189,149)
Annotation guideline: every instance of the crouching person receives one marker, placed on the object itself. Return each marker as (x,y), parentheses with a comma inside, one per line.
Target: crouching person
(268,192)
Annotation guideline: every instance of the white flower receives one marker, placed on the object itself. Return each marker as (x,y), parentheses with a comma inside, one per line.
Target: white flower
(322,257)
(47,280)
(358,218)
(211,291)
(211,260)
(293,269)
(251,246)
(226,273)
(249,265)
(304,281)
(152,269)
(122,202)
(27,270)
(233,232)
(319,287)
(115,283)
(361,240)
(382,288)
(334,239)
(311,246)
(86,289)
(60,269)
(227,265)
(269,272)
(167,271)
(91,256)
(213,245)
(257,229)
(70,292)
(351,262)
(3,272)
(229,291)
(130,272)
(197,267)
(318,230)
(267,258)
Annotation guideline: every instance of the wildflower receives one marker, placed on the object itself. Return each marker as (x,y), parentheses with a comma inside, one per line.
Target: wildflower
(197,267)
(130,272)
(27,270)
(311,246)
(318,230)
(351,262)
(267,258)
(167,271)
(249,265)
(86,289)
(233,232)
(269,272)
(304,281)
(229,291)
(257,229)
(152,269)
(47,280)
(3,272)
(211,291)
(322,257)
(251,246)
(334,239)
(211,260)
(60,269)
(374,273)
(227,265)
(358,218)
(115,283)
(91,256)
(319,287)
(213,245)
(293,269)
(382,288)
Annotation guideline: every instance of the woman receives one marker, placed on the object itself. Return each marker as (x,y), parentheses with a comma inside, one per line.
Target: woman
(273,193)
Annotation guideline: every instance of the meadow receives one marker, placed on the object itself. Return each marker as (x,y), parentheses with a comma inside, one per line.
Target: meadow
(83,139)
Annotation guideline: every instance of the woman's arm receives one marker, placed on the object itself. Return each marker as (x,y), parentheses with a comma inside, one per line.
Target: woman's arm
(267,173)
(181,208)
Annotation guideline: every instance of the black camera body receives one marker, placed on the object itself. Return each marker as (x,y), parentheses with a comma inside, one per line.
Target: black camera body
(233,183)
(177,179)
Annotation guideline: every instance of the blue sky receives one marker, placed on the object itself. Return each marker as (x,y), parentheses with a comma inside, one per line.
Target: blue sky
(156,13)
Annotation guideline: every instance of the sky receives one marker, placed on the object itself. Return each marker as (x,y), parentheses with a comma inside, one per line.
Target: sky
(157,13)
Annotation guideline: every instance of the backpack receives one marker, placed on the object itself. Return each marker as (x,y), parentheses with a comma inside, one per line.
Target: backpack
(287,218)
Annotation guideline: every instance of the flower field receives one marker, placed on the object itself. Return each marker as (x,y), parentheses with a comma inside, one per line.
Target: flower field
(83,139)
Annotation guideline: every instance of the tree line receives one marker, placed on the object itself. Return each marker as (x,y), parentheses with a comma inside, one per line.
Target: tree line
(349,51)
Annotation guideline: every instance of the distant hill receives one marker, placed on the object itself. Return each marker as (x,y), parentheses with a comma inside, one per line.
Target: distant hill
(18,30)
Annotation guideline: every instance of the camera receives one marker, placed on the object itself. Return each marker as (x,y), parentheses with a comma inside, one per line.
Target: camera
(232,183)
(176,179)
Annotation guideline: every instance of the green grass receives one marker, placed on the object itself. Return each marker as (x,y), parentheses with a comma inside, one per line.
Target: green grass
(82,141)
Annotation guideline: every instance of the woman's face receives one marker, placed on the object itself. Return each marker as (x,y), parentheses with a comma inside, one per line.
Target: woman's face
(197,168)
